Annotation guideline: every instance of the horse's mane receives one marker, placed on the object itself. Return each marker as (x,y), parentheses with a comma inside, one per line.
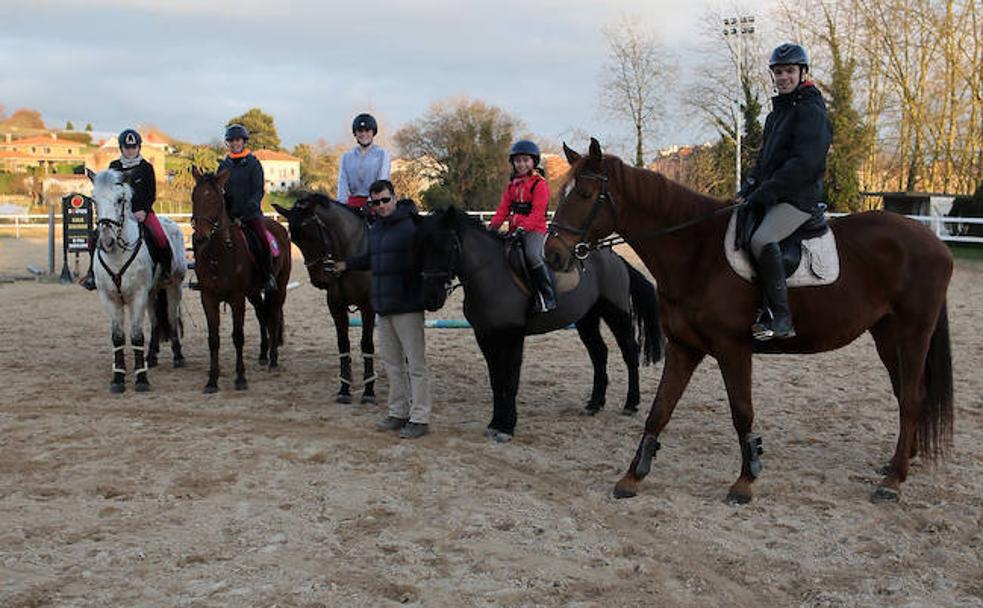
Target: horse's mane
(653,177)
(462,221)
(327,201)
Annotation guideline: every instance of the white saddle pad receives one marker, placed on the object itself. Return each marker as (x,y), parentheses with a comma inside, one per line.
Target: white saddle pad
(820,263)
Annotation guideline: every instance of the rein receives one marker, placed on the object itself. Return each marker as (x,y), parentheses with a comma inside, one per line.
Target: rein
(582,248)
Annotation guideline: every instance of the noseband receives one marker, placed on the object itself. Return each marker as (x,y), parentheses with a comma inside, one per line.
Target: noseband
(583,248)
(117,226)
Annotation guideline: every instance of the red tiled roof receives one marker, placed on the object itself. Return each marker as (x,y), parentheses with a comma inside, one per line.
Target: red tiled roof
(272,155)
(41,141)
(15,154)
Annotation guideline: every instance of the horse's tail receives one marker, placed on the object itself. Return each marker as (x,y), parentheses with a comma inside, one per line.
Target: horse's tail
(163,329)
(935,423)
(645,312)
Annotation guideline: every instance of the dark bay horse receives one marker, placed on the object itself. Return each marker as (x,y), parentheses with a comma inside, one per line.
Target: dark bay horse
(451,243)
(327,231)
(893,278)
(226,274)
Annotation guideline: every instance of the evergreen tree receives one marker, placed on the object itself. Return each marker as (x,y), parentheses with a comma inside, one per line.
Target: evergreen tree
(69,126)
(849,137)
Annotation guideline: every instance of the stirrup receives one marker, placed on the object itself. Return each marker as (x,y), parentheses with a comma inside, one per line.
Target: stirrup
(763,333)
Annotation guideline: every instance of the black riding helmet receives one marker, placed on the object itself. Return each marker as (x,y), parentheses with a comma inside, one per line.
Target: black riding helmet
(236,131)
(524,146)
(365,121)
(129,137)
(789,54)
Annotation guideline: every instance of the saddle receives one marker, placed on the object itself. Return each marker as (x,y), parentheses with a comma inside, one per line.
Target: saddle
(809,254)
(515,257)
(253,247)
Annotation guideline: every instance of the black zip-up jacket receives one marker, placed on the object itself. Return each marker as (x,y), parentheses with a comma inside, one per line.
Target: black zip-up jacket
(792,160)
(396,284)
(141,178)
(244,188)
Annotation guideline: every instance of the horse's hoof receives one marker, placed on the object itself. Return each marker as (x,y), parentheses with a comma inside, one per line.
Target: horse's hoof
(885,494)
(263,360)
(629,411)
(342,399)
(592,409)
(624,489)
(210,388)
(241,384)
(367,400)
(497,436)
(737,498)
(117,387)
(179,362)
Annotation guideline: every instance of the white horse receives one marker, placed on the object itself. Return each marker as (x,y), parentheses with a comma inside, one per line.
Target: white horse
(125,278)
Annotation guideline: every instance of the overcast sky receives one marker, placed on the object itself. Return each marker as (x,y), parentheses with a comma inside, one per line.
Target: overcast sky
(187,66)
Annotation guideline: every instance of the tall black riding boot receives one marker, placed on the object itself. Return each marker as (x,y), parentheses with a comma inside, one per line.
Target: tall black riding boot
(269,281)
(544,285)
(772,277)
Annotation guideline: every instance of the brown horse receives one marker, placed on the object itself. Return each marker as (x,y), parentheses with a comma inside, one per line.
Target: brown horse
(893,278)
(226,274)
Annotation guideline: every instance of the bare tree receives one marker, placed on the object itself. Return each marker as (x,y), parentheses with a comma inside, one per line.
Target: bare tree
(636,80)
(460,145)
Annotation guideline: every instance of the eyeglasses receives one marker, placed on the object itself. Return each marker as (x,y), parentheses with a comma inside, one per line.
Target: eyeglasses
(375,202)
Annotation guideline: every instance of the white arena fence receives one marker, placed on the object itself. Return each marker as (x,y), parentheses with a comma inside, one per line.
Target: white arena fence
(19,224)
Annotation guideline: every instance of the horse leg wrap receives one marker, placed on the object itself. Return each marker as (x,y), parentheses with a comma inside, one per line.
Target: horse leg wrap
(751,450)
(368,379)
(645,454)
(344,355)
(345,380)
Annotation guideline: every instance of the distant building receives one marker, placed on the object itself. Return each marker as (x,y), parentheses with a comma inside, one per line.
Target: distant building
(53,187)
(281,170)
(41,151)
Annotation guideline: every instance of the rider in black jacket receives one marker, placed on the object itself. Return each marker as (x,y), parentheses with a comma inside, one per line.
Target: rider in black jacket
(786,183)
(244,193)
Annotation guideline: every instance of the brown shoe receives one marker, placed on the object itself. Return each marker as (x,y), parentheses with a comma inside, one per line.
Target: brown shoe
(391,423)
(412,430)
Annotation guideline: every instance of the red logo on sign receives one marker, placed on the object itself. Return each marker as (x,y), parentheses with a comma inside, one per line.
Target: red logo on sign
(76,201)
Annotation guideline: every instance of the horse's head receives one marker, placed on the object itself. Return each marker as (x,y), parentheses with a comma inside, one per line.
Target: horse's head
(310,233)
(112,195)
(208,214)
(438,248)
(586,211)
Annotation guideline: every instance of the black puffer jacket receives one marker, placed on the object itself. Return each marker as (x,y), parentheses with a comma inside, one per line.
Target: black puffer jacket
(141,178)
(792,160)
(244,188)
(396,284)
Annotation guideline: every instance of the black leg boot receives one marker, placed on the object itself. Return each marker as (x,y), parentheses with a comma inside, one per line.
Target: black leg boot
(544,285)
(772,277)
(269,281)
(89,280)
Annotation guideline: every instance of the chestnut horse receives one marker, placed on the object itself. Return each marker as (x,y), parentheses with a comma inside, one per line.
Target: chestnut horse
(327,231)
(893,278)
(226,274)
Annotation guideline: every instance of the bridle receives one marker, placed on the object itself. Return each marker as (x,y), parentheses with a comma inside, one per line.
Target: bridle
(327,259)
(582,248)
(216,225)
(447,274)
(117,228)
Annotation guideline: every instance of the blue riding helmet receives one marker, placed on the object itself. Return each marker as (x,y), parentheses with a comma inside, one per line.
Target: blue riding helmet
(524,146)
(129,138)
(789,54)
(236,131)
